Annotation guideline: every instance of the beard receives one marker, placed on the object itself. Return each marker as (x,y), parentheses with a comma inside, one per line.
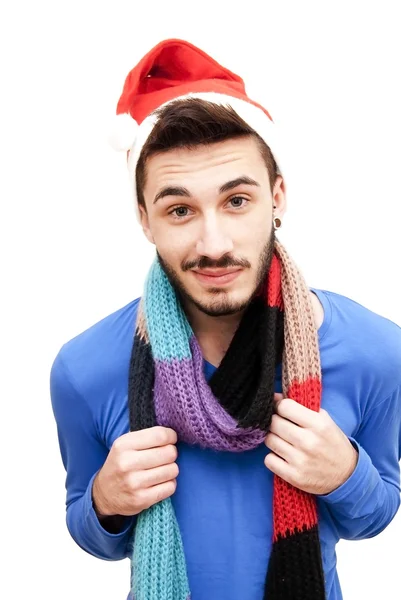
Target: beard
(221,305)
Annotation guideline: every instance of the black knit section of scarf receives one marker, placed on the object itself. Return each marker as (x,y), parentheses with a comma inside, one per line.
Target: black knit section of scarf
(244,381)
(140,387)
(295,569)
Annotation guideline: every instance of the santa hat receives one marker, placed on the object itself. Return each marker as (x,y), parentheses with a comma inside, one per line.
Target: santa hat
(172,70)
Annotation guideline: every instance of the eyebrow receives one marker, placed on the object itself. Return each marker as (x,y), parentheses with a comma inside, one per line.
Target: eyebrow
(226,187)
(244,180)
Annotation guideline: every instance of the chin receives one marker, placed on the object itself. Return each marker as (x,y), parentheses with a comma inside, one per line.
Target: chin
(216,303)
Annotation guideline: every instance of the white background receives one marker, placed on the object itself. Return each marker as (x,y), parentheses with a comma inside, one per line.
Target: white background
(72,252)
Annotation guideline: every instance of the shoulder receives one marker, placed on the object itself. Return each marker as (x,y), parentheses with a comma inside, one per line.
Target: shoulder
(368,342)
(93,359)
(361,323)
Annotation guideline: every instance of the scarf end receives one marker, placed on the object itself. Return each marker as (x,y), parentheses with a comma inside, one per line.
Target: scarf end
(295,569)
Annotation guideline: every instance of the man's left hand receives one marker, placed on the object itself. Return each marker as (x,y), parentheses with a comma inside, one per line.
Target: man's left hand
(308,449)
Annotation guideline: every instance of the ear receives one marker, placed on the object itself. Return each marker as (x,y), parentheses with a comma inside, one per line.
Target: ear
(279,197)
(145,224)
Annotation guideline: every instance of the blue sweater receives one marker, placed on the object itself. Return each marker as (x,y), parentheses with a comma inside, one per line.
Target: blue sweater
(223,500)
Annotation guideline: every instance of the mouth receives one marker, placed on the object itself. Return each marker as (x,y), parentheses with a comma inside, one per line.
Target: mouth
(217,277)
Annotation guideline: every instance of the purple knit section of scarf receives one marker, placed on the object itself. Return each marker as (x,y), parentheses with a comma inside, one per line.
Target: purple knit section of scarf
(185,402)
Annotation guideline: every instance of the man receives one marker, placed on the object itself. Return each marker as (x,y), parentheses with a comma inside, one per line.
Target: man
(228,428)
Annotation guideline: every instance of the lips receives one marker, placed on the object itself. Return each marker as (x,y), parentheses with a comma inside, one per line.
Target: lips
(217,276)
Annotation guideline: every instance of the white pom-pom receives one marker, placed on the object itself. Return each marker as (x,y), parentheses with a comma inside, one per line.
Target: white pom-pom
(123,132)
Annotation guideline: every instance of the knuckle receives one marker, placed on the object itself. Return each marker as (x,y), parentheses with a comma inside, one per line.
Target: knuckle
(324,428)
(325,420)
(174,470)
(166,491)
(269,458)
(136,461)
(140,499)
(159,495)
(117,445)
(172,486)
(309,444)
(285,403)
(274,421)
(161,435)
(134,483)
(122,465)
(171,452)
(270,441)
(172,436)
(300,462)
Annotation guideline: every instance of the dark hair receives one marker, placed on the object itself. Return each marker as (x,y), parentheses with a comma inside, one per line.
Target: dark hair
(192,122)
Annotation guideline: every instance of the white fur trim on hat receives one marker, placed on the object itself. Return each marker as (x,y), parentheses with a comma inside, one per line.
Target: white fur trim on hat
(123,132)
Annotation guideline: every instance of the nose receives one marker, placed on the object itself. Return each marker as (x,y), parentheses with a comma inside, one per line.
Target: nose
(213,241)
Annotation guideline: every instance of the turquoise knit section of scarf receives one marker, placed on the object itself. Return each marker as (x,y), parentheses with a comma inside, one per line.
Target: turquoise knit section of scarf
(158,563)
(168,327)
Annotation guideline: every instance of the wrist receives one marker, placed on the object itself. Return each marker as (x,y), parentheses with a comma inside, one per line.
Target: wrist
(353,461)
(98,500)
(350,470)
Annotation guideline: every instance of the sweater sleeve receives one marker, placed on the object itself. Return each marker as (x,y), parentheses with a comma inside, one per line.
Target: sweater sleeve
(83,454)
(368,501)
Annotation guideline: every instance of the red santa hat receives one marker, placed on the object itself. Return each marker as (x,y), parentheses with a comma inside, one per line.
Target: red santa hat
(172,70)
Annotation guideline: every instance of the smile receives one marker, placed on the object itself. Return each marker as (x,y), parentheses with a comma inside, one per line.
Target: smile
(216,277)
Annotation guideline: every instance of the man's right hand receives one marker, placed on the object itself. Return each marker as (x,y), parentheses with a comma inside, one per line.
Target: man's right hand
(139,471)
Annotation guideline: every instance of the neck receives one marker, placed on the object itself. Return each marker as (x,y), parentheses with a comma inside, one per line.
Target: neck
(214,334)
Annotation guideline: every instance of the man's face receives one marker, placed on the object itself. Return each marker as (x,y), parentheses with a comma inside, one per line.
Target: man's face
(209,213)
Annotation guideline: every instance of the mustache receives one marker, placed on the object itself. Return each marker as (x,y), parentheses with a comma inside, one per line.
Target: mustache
(204,262)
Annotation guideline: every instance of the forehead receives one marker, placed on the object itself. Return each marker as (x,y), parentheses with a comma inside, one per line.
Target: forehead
(206,166)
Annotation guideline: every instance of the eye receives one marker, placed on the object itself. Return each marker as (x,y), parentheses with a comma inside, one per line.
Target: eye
(238,202)
(179,212)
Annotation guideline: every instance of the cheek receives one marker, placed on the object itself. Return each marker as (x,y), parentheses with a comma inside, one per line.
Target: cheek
(171,250)
(255,229)
(175,242)
(255,240)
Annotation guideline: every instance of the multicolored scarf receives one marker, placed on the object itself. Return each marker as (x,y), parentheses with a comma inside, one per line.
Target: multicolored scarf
(231,412)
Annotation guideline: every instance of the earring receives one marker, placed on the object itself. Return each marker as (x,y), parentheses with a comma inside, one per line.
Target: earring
(277,223)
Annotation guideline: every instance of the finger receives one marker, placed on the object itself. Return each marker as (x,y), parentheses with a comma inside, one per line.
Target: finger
(278,396)
(152,477)
(157,493)
(153,457)
(280,447)
(295,412)
(287,430)
(280,467)
(154,437)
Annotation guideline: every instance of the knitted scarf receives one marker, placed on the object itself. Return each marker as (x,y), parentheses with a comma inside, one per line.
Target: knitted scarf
(231,412)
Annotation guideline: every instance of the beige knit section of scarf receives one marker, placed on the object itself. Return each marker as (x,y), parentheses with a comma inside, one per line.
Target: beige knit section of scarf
(301,358)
